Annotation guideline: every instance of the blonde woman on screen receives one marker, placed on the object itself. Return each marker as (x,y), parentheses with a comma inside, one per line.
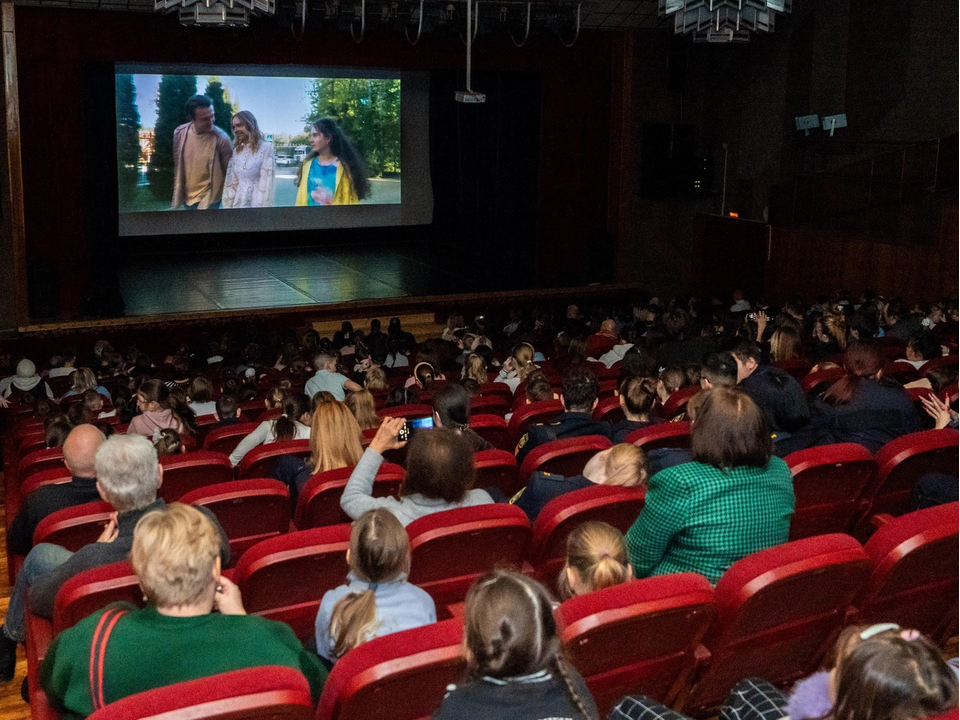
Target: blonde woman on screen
(250,173)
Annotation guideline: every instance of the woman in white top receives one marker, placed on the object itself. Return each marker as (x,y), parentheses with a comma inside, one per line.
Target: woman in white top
(516,367)
(294,424)
(250,173)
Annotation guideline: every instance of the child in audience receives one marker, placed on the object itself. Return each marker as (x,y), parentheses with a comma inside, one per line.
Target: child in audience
(200,396)
(228,412)
(168,443)
(364,409)
(596,559)
(514,665)
(377,599)
(159,409)
(291,425)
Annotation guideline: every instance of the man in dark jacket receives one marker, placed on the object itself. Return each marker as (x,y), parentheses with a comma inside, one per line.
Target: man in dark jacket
(579,397)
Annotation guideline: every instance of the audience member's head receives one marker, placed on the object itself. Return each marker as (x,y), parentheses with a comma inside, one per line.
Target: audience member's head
(637,396)
(596,559)
(538,388)
(56,430)
(923,346)
(200,390)
(785,344)
(863,359)
(335,438)
(80,450)
(451,407)
(439,466)
(169,443)
(580,390)
(227,407)
(730,431)
(623,465)
(375,379)
(364,409)
(719,369)
(128,472)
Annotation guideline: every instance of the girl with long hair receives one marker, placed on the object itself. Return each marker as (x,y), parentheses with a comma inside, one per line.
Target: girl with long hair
(377,599)
(515,667)
(517,367)
(291,425)
(364,409)
(159,409)
(250,175)
(333,173)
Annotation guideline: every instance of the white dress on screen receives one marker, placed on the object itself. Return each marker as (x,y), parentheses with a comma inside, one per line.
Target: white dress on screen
(250,177)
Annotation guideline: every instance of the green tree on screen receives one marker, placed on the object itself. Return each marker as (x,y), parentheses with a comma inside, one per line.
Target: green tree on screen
(172,98)
(223,108)
(128,138)
(368,112)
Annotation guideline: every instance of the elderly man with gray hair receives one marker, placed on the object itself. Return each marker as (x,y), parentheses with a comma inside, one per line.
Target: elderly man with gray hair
(128,477)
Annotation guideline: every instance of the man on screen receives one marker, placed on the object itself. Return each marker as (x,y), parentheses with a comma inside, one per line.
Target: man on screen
(201,152)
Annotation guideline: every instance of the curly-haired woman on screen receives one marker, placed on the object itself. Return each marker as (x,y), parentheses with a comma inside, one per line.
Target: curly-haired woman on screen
(334,173)
(250,174)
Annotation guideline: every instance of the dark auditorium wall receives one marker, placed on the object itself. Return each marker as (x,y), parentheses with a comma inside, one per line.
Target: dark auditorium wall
(891,66)
(55,47)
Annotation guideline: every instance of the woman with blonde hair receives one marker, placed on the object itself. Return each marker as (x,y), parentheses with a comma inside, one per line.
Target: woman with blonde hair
(622,465)
(375,379)
(362,406)
(335,442)
(250,174)
(517,367)
(475,368)
(377,599)
(176,556)
(596,559)
(83,379)
(785,344)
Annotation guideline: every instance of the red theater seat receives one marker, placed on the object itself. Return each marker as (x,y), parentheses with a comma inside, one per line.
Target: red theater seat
(901,463)
(260,461)
(451,549)
(32,441)
(664,435)
(778,611)
(617,506)
(677,402)
(274,692)
(828,482)
(183,473)
(637,638)
(817,382)
(225,439)
(796,367)
(284,578)
(74,527)
(407,672)
(413,410)
(55,476)
(319,502)
(497,389)
(567,456)
(526,415)
(609,409)
(38,460)
(496,468)
(489,405)
(914,578)
(493,429)
(944,361)
(248,510)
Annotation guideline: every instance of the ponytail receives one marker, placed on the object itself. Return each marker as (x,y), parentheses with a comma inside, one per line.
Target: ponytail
(352,620)
(863,359)
(597,553)
(294,406)
(564,672)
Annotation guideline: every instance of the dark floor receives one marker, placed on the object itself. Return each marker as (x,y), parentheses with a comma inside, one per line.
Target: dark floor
(209,282)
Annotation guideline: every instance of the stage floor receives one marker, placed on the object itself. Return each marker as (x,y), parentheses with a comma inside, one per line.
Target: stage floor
(223,281)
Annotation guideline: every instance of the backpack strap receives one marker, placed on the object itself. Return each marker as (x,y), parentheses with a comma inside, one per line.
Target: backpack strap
(98,650)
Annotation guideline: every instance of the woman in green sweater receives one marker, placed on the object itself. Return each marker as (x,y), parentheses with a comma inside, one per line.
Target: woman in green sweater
(177,637)
(734,499)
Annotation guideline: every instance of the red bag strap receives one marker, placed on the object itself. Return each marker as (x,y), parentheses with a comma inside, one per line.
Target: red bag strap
(98,650)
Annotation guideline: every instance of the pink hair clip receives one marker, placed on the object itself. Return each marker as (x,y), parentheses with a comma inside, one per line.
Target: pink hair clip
(910,635)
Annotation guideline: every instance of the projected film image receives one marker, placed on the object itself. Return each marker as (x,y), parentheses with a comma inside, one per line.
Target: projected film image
(195,142)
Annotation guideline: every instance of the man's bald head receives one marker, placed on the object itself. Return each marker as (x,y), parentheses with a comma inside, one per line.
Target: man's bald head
(609,326)
(80,449)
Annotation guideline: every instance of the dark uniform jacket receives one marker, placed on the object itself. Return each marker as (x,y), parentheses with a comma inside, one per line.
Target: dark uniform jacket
(570,424)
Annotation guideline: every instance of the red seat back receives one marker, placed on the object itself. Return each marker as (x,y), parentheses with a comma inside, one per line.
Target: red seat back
(944,361)
(778,611)
(796,367)
(248,510)
(497,389)
(260,461)
(677,402)
(663,435)
(617,506)
(319,502)
(413,410)
(55,476)
(275,692)
(183,473)
(91,590)
(489,405)
(567,456)
(903,461)
(914,578)
(526,415)
(32,441)
(609,409)
(817,382)
(493,429)
(637,638)
(407,672)
(451,549)
(284,578)
(496,468)
(225,439)
(38,460)
(828,483)
(74,527)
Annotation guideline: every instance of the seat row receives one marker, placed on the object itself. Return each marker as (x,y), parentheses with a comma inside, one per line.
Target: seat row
(675,638)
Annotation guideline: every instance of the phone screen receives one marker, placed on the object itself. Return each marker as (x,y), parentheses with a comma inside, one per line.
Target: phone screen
(424,423)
